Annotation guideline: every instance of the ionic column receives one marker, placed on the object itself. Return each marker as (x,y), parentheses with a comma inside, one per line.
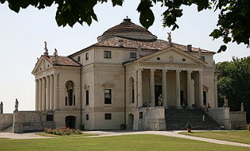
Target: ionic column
(37,94)
(43,94)
(136,89)
(164,88)
(200,88)
(178,101)
(47,93)
(140,87)
(215,92)
(40,95)
(152,86)
(51,93)
(55,91)
(189,88)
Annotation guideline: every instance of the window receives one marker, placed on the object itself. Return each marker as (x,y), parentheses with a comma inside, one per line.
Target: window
(133,55)
(87,56)
(202,58)
(107,116)
(133,96)
(107,54)
(87,117)
(141,115)
(78,58)
(87,97)
(107,96)
(50,118)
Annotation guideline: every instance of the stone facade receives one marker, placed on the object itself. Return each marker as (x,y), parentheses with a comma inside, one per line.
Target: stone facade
(129,77)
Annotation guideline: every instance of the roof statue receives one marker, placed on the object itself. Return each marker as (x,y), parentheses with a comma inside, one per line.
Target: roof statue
(170,39)
(55,61)
(46,53)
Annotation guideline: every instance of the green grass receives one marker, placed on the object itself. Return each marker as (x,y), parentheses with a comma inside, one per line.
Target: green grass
(114,143)
(241,136)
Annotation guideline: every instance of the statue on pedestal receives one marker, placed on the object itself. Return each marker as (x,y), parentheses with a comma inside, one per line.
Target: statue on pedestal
(225,102)
(160,100)
(242,107)
(1,108)
(16,105)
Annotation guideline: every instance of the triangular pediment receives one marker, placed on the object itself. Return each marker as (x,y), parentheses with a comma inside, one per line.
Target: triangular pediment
(42,64)
(171,55)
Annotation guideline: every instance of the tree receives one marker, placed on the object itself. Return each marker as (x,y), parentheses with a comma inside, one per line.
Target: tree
(234,82)
(233,21)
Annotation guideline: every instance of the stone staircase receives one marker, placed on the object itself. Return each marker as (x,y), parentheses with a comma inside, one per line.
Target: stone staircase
(176,119)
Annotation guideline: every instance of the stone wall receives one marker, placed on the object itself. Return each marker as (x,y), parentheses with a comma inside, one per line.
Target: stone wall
(221,115)
(152,118)
(26,121)
(238,119)
(6,121)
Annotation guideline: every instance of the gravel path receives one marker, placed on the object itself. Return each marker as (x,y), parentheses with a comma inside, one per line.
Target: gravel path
(118,133)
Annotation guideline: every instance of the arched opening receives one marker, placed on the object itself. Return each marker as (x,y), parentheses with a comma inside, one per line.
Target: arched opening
(69,99)
(131,90)
(130,121)
(70,121)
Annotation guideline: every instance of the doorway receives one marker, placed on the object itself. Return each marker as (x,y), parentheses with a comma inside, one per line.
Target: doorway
(70,121)
(158,92)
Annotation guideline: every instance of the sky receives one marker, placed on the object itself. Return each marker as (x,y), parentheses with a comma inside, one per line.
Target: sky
(22,37)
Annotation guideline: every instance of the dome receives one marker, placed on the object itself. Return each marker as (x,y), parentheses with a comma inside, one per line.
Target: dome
(129,30)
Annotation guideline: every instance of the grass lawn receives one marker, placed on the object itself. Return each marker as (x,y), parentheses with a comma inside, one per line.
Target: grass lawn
(241,136)
(113,143)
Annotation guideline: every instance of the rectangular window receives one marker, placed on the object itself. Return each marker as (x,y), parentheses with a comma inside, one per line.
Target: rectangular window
(107,96)
(87,56)
(87,117)
(141,115)
(78,58)
(87,97)
(202,58)
(74,102)
(50,118)
(133,96)
(107,54)
(133,55)
(108,116)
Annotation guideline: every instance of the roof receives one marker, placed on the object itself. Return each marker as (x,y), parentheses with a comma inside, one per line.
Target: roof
(62,61)
(154,45)
(128,29)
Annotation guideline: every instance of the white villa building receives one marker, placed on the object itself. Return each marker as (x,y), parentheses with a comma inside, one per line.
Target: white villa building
(129,77)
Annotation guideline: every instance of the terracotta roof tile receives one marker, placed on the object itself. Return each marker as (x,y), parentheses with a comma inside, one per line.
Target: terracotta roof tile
(155,45)
(62,61)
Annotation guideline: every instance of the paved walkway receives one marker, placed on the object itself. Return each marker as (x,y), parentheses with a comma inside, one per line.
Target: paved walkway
(118,133)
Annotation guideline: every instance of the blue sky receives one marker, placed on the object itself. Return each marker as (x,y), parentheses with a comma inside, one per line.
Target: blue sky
(22,39)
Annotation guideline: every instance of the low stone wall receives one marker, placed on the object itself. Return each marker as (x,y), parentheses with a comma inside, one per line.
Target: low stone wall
(153,118)
(238,119)
(6,121)
(26,121)
(221,115)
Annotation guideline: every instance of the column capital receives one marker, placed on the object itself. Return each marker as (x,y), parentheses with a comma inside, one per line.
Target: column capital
(152,70)
(164,70)
(178,71)
(139,69)
(56,74)
(190,71)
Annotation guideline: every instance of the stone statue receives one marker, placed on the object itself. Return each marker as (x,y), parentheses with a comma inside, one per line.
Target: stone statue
(225,102)
(170,39)
(46,49)
(160,100)
(242,107)
(1,108)
(56,57)
(16,105)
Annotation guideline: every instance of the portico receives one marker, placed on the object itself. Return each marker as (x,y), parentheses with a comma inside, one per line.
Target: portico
(46,92)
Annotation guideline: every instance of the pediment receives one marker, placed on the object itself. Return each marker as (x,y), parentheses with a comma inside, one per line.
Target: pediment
(171,56)
(42,64)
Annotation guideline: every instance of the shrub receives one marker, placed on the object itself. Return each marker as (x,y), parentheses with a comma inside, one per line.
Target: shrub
(63,131)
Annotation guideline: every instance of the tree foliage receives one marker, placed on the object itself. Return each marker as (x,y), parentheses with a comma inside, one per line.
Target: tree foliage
(234,82)
(233,21)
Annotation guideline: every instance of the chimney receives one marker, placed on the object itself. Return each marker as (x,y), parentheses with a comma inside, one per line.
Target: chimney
(189,48)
